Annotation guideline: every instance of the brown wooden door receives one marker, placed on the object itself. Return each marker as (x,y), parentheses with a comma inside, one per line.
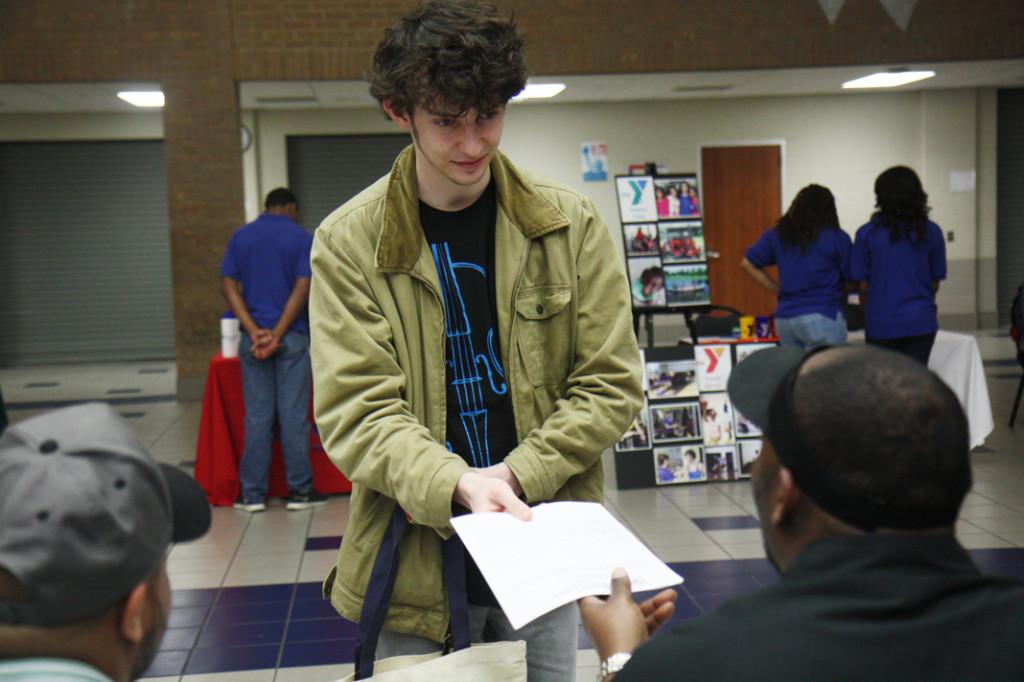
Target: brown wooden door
(742,196)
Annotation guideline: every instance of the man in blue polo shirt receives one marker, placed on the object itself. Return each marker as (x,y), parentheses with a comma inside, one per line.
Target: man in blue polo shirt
(265,279)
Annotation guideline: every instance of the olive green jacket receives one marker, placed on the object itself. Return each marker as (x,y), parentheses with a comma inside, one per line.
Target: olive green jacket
(378,351)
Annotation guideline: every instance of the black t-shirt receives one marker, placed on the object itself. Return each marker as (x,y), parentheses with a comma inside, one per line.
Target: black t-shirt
(481,424)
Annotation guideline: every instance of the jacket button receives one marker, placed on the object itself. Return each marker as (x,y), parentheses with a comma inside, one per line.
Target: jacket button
(540,309)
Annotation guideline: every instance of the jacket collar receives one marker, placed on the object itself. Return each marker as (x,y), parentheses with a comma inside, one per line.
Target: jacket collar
(401,237)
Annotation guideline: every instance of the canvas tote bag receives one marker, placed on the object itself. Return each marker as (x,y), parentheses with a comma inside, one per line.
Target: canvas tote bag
(498,662)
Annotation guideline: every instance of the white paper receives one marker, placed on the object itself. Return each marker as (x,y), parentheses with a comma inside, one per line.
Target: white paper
(567,551)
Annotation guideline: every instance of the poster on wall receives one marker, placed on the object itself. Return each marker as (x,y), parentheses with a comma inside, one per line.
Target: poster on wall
(714,363)
(676,196)
(679,464)
(594,161)
(636,199)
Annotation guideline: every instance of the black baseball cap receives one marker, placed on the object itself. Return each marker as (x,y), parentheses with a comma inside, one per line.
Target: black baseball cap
(86,514)
(763,388)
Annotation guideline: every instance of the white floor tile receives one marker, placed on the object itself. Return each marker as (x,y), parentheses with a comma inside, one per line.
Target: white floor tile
(703,553)
(241,676)
(752,550)
(319,673)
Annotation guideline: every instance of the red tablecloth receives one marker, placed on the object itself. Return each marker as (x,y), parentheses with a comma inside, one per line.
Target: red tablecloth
(222,436)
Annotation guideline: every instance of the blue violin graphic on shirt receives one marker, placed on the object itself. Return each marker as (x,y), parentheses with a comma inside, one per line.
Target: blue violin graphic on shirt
(468,366)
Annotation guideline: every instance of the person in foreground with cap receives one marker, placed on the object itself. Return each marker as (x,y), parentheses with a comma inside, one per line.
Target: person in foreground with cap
(86,519)
(858,487)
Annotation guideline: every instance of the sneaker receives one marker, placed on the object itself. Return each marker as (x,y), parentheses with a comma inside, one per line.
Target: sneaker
(300,501)
(251,506)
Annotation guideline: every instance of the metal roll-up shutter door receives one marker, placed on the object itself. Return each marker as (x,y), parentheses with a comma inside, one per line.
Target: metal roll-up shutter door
(85,270)
(325,171)
(1009,199)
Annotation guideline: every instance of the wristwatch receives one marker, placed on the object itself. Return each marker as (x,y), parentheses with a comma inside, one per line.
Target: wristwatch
(613,664)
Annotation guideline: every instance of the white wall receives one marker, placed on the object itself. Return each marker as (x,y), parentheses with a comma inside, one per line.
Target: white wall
(840,141)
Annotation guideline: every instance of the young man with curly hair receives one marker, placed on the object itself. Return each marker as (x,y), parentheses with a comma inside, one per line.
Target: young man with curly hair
(471,338)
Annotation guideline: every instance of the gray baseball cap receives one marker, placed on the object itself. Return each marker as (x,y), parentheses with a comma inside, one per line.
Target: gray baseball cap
(85,513)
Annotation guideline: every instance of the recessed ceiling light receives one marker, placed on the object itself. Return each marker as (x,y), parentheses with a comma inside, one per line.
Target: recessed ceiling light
(539,91)
(143,98)
(888,79)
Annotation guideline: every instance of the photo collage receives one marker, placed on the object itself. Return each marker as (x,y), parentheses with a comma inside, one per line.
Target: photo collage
(663,239)
(688,427)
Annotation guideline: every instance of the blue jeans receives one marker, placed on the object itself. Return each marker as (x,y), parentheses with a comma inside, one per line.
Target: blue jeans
(282,381)
(551,640)
(811,330)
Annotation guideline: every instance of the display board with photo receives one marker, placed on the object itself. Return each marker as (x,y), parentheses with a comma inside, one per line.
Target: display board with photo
(714,364)
(637,436)
(681,241)
(640,239)
(687,408)
(676,196)
(744,427)
(744,350)
(647,282)
(675,421)
(679,464)
(721,463)
(636,198)
(716,419)
(749,451)
(663,241)
(687,285)
(666,380)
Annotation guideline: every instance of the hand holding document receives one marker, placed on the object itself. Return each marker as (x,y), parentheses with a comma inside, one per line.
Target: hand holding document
(567,551)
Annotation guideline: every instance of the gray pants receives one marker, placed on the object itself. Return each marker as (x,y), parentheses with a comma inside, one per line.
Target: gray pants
(551,640)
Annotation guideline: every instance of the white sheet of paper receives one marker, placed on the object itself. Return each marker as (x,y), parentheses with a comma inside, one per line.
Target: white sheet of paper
(567,551)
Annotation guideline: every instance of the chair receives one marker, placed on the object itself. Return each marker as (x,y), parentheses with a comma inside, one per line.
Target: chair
(717,320)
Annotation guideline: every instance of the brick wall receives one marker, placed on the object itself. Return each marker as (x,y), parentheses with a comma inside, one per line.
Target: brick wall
(200,49)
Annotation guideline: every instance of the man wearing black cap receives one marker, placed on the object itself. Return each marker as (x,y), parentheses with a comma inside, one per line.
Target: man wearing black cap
(86,519)
(858,487)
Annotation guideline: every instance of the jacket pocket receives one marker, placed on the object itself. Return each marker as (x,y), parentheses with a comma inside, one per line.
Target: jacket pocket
(544,332)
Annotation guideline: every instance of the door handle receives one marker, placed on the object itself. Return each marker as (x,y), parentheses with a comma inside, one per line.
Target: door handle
(713,255)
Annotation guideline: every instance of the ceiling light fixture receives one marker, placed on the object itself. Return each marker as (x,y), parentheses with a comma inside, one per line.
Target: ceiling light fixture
(888,79)
(143,98)
(539,91)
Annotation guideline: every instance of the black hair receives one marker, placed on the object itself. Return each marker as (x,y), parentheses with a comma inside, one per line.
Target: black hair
(813,210)
(902,204)
(279,197)
(886,429)
(648,275)
(449,56)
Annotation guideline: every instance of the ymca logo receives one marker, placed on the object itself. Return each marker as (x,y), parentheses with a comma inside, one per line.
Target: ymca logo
(638,190)
(712,362)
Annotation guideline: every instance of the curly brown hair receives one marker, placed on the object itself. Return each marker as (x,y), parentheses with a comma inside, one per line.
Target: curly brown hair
(449,56)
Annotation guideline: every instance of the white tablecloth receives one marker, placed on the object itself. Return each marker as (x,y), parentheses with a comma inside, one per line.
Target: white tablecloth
(956,358)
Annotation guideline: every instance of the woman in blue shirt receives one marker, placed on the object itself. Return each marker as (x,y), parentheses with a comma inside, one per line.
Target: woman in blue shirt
(899,258)
(812,254)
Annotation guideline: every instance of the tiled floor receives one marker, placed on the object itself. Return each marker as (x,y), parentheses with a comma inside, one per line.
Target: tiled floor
(247,603)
